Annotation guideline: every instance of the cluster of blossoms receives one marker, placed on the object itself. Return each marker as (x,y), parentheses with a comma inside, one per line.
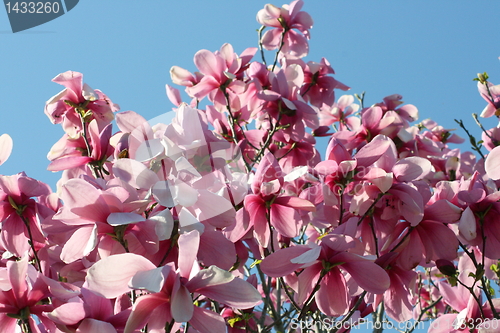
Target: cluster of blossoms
(229,219)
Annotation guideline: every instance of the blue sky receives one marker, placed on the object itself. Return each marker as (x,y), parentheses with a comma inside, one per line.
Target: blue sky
(427,51)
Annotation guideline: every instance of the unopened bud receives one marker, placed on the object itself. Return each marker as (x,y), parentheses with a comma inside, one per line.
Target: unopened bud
(482,77)
(446,267)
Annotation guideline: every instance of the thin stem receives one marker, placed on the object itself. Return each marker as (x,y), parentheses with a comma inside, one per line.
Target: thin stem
(307,304)
(474,115)
(483,280)
(279,49)
(32,244)
(260,31)
(419,319)
(268,302)
(378,316)
(287,292)
(25,325)
(274,129)
(472,139)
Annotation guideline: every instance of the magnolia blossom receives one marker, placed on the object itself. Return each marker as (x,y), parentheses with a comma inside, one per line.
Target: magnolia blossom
(78,101)
(283,21)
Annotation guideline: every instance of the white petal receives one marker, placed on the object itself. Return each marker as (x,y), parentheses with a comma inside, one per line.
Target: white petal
(89,93)
(184,194)
(116,219)
(148,150)
(92,242)
(164,224)
(308,256)
(149,280)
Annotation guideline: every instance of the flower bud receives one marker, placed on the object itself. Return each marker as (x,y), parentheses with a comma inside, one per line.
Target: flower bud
(446,267)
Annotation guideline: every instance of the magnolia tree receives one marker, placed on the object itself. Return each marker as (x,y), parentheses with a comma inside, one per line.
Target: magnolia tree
(227,219)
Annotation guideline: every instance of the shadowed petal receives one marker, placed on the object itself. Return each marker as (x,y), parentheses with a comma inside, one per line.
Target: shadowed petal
(368,275)
(224,287)
(206,321)
(182,305)
(332,295)
(143,307)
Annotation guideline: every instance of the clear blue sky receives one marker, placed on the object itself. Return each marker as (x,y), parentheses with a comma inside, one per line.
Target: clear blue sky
(427,51)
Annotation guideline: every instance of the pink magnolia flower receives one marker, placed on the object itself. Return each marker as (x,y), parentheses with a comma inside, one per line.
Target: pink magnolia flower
(19,211)
(21,293)
(78,101)
(267,201)
(284,103)
(325,264)
(284,20)
(104,216)
(70,153)
(319,87)
(491,138)
(339,113)
(220,73)
(491,94)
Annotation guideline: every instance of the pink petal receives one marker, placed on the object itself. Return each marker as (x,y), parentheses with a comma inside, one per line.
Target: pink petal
(69,313)
(437,238)
(271,39)
(181,76)
(444,211)
(182,305)
(143,307)
(411,168)
(373,150)
(71,80)
(332,295)
(368,275)
(8,324)
(410,203)
(66,163)
(206,321)
(280,262)
(215,249)
(17,277)
(396,301)
(13,235)
(285,220)
(110,277)
(174,95)
(224,287)
(307,280)
(80,244)
(84,200)
(295,202)
(188,250)
(209,64)
(202,88)
(93,325)
(128,121)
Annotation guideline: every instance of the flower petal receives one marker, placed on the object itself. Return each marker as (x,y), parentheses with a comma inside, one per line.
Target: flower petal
(110,277)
